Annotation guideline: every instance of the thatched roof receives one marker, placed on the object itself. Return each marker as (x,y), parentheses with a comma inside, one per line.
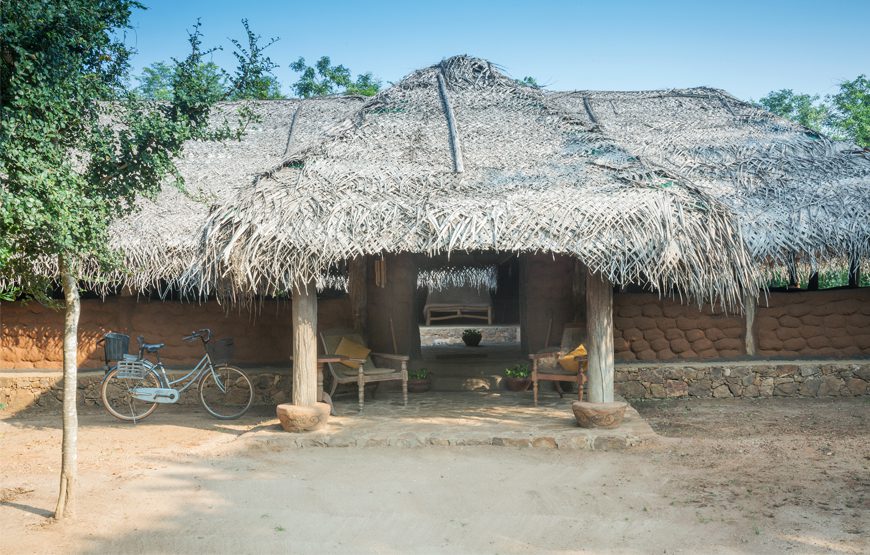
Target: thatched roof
(797,193)
(159,242)
(460,157)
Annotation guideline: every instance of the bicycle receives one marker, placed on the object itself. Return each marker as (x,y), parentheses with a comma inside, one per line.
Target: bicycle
(132,389)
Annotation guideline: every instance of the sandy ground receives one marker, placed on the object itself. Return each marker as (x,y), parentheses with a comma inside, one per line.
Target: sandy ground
(728,476)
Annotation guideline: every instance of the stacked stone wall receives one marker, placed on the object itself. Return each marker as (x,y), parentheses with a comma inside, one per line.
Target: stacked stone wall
(41,391)
(832,323)
(649,328)
(743,379)
(31,335)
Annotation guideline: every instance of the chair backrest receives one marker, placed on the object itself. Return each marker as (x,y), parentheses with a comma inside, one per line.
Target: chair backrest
(331,338)
(573,335)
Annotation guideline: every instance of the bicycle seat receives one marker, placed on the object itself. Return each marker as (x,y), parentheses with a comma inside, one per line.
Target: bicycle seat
(152,347)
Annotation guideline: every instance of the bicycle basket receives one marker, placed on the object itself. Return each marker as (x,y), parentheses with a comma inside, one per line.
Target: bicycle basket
(115,346)
(221,351)
(132,369)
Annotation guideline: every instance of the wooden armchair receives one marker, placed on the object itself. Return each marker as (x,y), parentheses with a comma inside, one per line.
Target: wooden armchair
(546,367)
(367,371)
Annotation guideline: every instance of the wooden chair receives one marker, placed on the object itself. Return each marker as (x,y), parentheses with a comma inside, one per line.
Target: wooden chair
(368,371)
(546,367)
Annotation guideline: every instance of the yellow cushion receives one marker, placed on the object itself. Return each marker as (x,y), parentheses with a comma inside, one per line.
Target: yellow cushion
(569,362)
(352,349)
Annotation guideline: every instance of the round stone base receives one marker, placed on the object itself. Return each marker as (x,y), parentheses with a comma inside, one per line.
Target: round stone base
(303,419)
(599,415)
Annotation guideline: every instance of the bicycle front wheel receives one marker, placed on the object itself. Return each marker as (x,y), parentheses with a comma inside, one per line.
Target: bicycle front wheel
(226,392)
(118,400)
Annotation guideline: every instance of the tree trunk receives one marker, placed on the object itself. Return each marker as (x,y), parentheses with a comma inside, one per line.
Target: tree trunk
(750,306)
(69,462)
(305,345)
(599,326)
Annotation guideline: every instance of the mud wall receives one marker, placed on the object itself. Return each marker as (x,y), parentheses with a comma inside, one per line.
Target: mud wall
(833,323)
(545,297)
(31,334)
(649,328)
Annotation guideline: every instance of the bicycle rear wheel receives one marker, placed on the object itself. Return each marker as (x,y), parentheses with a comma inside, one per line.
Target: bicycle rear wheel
(118,400)
(226,392)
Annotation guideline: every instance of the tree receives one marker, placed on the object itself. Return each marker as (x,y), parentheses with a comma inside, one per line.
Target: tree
(155,82)
(76,149)
(253,78)
(324,79)
(851,110)
(800,108)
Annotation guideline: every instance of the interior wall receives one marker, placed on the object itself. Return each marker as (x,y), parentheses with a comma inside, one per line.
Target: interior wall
(31,335)
(396,302)
(546,295)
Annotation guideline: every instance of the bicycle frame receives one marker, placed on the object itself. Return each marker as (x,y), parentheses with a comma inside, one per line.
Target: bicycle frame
(193,375)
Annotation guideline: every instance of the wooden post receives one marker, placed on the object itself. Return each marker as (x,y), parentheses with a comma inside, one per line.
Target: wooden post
(750,306)
(305,345)
(357,289)
(599,323)
(854,272)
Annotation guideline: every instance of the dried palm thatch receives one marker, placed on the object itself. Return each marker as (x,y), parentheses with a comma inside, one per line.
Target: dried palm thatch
(460,157)
(159,242)
(797,193)
(446,277)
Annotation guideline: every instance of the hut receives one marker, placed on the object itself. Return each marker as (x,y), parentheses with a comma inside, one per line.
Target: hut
(656,217)
(686,192)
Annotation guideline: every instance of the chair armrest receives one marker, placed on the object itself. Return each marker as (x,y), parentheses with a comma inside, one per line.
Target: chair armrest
(391,357)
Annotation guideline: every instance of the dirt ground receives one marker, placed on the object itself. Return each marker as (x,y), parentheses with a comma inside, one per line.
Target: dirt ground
(728,476)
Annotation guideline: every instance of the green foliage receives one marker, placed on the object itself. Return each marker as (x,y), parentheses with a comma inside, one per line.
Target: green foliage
(324,79)
(420,374)
(472,333)
(530,81)
(800,108)
(76,147)
(155,82)
(520,371)
(851,110)
(253,78)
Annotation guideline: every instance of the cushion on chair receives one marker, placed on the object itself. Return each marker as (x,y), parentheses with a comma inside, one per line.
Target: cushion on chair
(569,362)
(352,349)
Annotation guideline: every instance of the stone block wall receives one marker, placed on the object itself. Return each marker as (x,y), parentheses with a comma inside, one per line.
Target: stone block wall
(649,328)
(42,391)
(743,379)
(831,323)
(31,335)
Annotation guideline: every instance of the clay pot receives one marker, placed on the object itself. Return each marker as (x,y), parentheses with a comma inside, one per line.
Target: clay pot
(296,418)
(517,384)
(599,415)
(471,340)
(419,386)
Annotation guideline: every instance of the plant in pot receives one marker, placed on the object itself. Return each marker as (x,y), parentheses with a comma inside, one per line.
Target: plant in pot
(516,378)
(419,381)
(471,337)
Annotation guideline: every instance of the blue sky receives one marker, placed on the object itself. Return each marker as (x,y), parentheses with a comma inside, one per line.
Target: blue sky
(746,48)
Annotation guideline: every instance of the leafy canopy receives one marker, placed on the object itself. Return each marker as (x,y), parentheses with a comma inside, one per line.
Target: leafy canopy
(254,77)
(324,79)
(155,82)
(76,146)
(851,110)
(800,108)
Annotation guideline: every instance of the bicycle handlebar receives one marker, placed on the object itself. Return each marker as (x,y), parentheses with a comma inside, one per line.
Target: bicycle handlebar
(200,334)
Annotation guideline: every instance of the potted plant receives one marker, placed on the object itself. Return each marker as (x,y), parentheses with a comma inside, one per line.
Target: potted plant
(419,381)
(471,337)
(516,378)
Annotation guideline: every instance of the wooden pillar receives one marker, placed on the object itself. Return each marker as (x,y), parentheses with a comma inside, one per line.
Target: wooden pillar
(750,307)
(357,288)
(599,324)
(854,272)
(304,345)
